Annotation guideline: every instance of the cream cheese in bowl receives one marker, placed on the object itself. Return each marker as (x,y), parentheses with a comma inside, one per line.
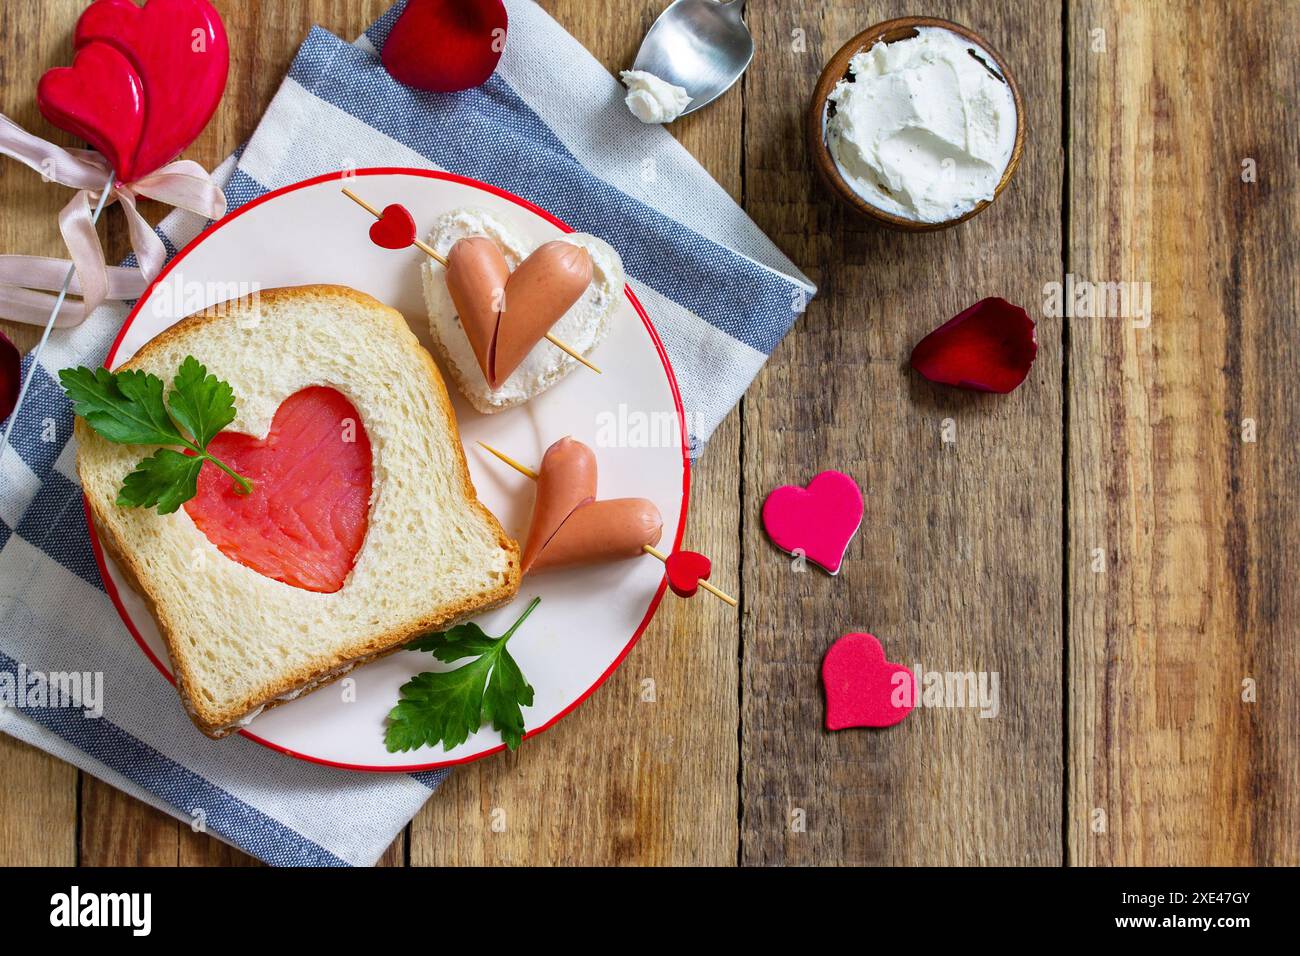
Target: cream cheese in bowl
(924,127)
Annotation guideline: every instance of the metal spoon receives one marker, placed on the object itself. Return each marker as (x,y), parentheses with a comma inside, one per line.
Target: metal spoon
(700,45)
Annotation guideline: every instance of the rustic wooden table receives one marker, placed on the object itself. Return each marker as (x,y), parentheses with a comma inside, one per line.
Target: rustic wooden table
(1112,538)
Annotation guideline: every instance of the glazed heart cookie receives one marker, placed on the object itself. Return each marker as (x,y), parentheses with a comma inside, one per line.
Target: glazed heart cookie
(818,521)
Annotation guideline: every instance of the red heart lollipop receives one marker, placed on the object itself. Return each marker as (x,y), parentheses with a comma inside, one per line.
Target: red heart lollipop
(446,45)
(685,571)
(394,229)
(99,99)
(178,54)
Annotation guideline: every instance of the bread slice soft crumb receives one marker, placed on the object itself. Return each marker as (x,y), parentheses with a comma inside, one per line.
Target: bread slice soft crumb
(433,555)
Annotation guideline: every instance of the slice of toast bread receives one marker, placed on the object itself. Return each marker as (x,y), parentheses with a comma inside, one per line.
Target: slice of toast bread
(432,555)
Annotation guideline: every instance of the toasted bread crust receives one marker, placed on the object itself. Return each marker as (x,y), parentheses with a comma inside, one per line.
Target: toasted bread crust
(216,722)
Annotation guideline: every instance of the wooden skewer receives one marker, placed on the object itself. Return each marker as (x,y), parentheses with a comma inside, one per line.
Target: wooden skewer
(517,466)
(648,549)
(437,257)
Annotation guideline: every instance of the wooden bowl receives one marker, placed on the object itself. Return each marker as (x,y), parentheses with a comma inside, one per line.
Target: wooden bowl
(838,68)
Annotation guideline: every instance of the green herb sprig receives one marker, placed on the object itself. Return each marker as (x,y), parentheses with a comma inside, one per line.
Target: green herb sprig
(127,408)
(447,706)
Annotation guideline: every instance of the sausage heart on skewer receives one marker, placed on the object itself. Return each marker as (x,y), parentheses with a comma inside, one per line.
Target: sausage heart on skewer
(571,527)
(505,314)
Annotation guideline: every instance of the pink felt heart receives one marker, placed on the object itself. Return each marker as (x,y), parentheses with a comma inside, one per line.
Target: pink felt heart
(685,571)
(819,520)
(99,99)
(179,52)
(394,229)
(862,688)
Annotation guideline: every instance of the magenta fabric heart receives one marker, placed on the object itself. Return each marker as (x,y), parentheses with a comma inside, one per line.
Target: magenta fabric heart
(862,688)
(819,520)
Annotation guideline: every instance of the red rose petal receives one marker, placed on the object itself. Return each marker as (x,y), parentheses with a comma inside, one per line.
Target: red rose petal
(10,373)
(446,45)
(989,348)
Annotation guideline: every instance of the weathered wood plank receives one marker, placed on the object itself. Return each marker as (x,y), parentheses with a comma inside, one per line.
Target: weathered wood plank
(1196,523)
(622,780)
(38,807)
(958,562)
(118,830)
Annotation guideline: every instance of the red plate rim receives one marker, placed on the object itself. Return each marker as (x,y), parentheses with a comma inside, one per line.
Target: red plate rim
(111,588)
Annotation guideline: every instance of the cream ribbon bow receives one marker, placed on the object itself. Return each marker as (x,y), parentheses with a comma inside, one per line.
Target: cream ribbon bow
(27,281)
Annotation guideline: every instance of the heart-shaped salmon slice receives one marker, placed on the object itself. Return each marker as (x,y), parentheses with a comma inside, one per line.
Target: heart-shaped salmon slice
(506,314)
(570,527)
(306,517)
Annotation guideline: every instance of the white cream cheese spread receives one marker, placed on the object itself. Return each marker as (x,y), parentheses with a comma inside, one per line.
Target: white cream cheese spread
(925,127)
(653,100)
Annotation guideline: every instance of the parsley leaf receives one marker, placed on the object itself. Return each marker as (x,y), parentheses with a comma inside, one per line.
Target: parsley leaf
(448,706)
(166,480)
(124,407)
(202,403)
(127,408)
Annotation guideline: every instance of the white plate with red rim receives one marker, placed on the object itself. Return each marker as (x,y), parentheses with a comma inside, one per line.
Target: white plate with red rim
(588,619)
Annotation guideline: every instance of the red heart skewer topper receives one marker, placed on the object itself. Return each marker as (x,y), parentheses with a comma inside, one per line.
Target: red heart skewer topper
(685,570)
(571,527)
(444,46)
(394,229)
(862,688)
(144,82)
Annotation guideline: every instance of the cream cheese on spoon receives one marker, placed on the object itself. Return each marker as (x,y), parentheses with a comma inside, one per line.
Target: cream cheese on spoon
(924,129)
(653,100)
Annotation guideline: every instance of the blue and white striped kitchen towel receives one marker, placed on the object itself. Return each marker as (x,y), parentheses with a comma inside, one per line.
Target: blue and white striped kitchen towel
(549,126)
